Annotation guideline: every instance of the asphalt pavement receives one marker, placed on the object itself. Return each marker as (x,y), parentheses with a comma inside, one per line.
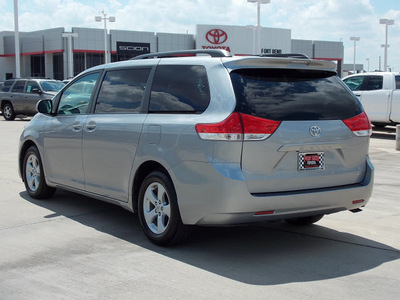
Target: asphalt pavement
(74,247)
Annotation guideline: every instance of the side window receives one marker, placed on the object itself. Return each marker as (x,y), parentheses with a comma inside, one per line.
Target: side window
(7,86)
(355,83)
(122,91)
(397,82)
(75,99)
(374,83)
(32,87)
(179,89)
(19,86)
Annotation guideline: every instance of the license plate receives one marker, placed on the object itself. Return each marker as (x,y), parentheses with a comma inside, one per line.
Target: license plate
(311,161)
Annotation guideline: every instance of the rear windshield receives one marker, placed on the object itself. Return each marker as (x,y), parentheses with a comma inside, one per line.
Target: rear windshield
(293,95)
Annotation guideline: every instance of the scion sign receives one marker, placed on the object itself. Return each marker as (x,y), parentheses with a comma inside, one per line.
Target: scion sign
(129,48)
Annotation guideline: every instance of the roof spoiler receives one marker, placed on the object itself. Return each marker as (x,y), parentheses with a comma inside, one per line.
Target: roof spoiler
(183,53)
(286,55)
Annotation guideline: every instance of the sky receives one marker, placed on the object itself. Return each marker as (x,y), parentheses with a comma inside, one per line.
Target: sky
(327,20)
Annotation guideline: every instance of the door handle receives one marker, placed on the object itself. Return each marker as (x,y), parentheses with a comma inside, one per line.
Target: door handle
(358,95)
(77,126)
(91,126)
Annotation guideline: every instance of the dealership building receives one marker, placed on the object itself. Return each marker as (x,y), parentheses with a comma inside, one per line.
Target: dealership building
(55,53)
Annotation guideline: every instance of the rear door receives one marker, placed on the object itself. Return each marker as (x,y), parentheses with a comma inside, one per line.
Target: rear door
(395,112)
(17,95)
(31,97)
(312,147)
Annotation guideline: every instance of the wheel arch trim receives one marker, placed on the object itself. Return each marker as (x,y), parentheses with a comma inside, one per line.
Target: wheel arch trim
(141,173)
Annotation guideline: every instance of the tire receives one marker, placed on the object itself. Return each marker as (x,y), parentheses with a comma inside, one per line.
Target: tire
(8,112)
(158,211)
(33,175)
(305,220)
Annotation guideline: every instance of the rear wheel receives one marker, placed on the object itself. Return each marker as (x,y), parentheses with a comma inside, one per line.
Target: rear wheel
(158,210)
(33,175)
(305,220)
(8,112)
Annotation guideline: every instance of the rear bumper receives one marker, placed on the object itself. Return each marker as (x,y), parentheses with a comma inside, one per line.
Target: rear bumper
(207,197)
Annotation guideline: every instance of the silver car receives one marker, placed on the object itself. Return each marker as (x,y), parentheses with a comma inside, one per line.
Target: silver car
(204,140)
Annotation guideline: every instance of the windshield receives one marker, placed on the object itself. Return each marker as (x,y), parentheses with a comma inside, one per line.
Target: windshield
(51,86)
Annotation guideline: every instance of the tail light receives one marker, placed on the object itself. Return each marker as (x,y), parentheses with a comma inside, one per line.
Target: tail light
(238,127)
(360,125)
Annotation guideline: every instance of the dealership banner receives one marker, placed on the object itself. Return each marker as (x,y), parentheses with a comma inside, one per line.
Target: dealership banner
(129,48)
(243,40)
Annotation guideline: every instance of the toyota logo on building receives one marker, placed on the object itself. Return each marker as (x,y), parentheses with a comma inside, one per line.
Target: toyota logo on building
(216,36)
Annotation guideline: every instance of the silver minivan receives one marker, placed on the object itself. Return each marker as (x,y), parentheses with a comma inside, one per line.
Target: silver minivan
(204,140)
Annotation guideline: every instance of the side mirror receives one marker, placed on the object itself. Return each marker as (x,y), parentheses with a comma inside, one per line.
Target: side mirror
(45,106)
(36,91)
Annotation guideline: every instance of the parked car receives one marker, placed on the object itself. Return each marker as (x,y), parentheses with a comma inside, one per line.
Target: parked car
(379,93)
(20,96)
(203,140)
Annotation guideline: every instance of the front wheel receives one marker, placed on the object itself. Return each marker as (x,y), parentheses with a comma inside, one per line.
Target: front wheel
(8,112)
(33,175)
(305,220)
(158,210)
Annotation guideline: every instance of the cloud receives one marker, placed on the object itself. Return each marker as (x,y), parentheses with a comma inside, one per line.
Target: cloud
(331,20)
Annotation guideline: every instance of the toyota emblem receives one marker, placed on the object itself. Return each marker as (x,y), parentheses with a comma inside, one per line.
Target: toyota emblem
(315,131)
(216,36)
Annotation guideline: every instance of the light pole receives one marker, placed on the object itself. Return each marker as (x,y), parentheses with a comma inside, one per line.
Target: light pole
(386,22)
(69,36)
(355,39)
(16,39)
(368,64)
(259,2)
(253,29)
(105,18)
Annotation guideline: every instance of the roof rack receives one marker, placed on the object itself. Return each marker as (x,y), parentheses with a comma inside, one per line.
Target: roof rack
(180,53)
(286,55)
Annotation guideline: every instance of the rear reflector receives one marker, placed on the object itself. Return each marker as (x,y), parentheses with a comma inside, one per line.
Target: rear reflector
(360,125)
(358,201)
(263,213)
(238,127)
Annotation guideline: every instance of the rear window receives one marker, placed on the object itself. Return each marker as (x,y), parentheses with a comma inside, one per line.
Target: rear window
(19,87)
(374,83)
(293,95)
(7,86)
(179,89)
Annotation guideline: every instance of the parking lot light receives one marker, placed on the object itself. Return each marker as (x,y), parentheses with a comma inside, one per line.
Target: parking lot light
(105,18)
(355,39)
(386,22)
(259,2)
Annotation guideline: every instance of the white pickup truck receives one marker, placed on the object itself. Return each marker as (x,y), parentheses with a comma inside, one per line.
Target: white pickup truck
(379,93)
